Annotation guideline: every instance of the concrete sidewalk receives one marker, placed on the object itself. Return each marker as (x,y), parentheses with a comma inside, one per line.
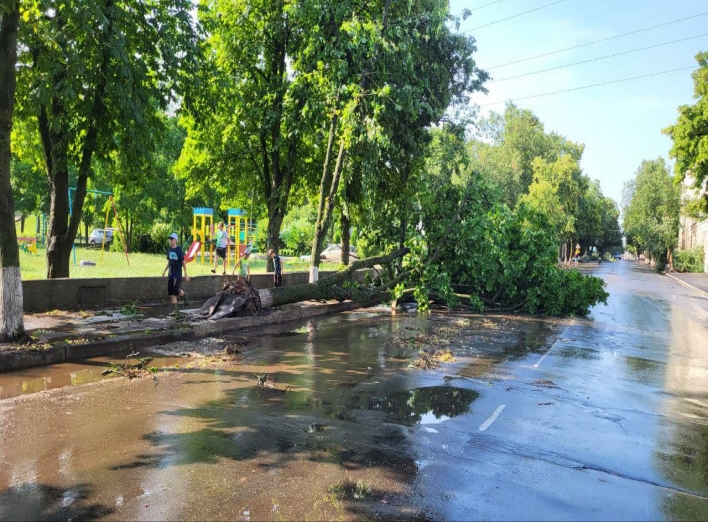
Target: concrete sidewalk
(60,336)
(696,282)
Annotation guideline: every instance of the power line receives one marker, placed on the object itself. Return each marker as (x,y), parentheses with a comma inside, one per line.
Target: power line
(515,16)
(596,41)
(588,86)
(597,59)
(485,5)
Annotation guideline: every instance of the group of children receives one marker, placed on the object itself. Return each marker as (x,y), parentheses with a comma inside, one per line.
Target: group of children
(176,263)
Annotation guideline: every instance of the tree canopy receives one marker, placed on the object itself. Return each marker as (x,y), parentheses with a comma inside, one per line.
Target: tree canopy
(651,206)
(690,134)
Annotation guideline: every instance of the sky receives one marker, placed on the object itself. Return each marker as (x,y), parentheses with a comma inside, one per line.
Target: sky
(620,124)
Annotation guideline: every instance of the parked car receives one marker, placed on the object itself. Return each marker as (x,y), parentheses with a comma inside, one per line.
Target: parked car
(618,255)
(96,237)
(333,254)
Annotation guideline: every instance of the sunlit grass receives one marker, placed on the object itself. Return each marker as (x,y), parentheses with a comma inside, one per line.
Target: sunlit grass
(34,266)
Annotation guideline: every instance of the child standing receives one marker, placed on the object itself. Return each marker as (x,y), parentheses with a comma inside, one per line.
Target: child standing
(277,268)
(244,270)
(175,264)
(222,243)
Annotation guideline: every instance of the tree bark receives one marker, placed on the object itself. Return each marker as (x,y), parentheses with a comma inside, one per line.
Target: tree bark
(328,191)
(345,225)
(11,322)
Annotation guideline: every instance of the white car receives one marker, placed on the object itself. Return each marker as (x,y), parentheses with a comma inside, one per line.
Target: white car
(96,237)
(333,254)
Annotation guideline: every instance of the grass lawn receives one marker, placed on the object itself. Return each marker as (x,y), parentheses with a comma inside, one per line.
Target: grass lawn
(34,266)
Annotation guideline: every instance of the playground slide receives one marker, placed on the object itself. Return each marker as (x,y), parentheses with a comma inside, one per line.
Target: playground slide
(192,252)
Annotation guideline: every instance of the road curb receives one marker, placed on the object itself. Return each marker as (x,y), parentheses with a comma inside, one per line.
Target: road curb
(688,285)
(23,358)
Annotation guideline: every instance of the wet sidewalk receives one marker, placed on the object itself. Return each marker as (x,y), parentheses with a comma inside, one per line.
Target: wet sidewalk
(698,282)
(63,336)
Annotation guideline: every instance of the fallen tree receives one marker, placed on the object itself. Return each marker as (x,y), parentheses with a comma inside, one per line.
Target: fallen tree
(239,298)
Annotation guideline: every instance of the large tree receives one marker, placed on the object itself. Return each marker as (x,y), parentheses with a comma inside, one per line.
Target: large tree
(690,133)
(386,62)
(11,324)
(245,126)
(94,74)
(507,145)
(651,206)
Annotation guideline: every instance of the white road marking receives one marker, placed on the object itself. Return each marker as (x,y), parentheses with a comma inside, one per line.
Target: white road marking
(546,354)
(550,349)
(491,419)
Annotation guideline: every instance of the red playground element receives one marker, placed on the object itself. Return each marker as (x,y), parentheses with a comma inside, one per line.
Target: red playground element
(192,252)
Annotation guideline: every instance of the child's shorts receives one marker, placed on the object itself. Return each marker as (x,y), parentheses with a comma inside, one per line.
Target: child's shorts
(173,285)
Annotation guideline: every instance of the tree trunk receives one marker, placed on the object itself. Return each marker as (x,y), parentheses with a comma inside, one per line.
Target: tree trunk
(54,132)
(11,323)
(330,180)
(275,221)
(328,193)
(331,287)
(345,225)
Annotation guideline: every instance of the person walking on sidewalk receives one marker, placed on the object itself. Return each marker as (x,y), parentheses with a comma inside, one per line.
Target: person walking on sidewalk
(175,264)
(277,268)
(222,244)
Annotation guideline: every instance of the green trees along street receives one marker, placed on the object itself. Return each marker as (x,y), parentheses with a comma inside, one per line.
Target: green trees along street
(94,76)
(346,122)
(651,205)
(690,135)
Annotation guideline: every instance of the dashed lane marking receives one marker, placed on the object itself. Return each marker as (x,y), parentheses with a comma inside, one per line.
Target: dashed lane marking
(550,349)
(493,417)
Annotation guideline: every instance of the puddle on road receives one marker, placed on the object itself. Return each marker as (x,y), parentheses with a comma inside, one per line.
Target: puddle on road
(35,380)
(430,405)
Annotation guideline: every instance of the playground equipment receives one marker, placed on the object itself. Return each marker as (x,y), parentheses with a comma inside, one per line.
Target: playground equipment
(240,229)
(42,221)
(28,244)
(120,229)
(202,231)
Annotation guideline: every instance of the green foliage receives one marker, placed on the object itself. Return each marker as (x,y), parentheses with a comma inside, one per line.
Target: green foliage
(689,260)
(500,258)
(651,210)
(97,77)
(130,310)
(506,147)
(690,139)
(298,229)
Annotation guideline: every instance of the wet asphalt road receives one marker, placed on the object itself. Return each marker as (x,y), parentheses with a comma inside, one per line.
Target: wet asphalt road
(595,418)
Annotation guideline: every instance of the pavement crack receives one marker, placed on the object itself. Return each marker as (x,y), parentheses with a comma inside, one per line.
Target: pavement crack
(498,445)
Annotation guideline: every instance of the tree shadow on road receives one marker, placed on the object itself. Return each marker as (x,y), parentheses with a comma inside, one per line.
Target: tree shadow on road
(32,501)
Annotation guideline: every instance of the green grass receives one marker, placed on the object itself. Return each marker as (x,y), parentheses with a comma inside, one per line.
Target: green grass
(141,265)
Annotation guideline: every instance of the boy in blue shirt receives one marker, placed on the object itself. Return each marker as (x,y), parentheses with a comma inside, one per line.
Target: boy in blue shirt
(175,264)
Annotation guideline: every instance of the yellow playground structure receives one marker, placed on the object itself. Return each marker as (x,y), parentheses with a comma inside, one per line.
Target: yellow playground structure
(202,232)
(240,228)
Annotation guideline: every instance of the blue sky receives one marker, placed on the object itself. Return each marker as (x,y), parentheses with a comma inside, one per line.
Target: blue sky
(619,124)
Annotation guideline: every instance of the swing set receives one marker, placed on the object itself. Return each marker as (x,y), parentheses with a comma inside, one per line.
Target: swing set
(105,226)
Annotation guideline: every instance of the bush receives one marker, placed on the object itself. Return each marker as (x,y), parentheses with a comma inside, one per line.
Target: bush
(689,260)
(160,235)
